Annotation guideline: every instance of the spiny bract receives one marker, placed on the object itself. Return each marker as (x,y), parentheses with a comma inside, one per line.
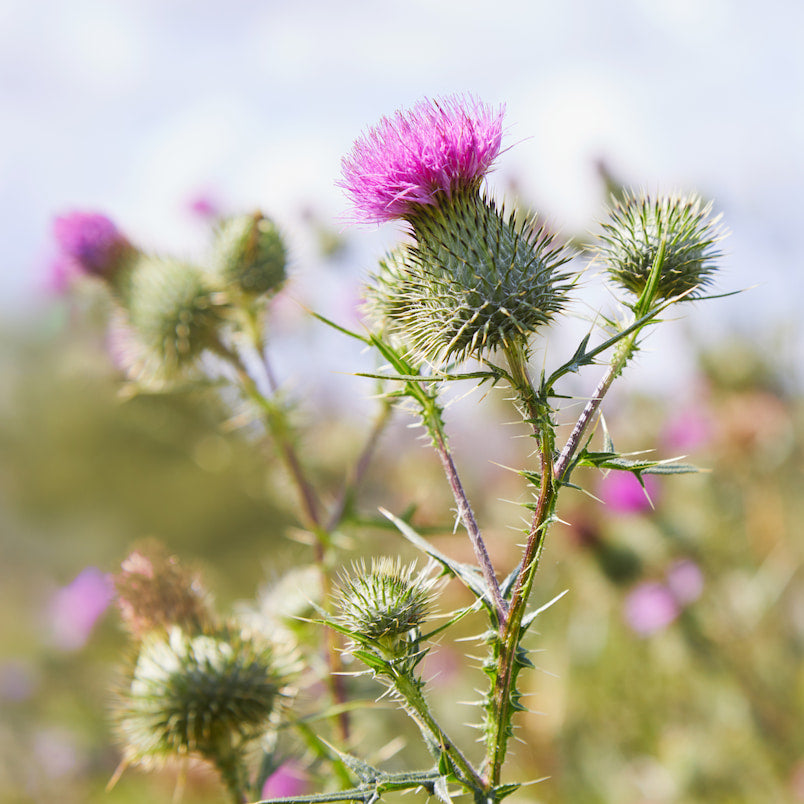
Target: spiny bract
(475,281)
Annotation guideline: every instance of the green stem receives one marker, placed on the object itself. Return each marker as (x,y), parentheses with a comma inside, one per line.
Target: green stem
(418,709)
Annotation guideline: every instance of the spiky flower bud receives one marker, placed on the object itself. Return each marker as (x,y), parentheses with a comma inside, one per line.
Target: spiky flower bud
(206,695)
(91,244)
(249,254)
(175,314)
(638,225)
(475,281)
(385,604)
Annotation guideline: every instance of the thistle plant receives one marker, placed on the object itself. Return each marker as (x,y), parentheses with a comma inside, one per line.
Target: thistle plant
(467,298)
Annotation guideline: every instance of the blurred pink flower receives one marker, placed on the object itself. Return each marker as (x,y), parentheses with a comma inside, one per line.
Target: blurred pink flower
(685,581)
(622,492)
(286,780)
(89,241)
(75,608)
(407,161)
(204,205)
(687,429)
(650,607)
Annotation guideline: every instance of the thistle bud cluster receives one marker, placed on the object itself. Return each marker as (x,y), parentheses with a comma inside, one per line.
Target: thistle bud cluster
(197,686)
(171,311)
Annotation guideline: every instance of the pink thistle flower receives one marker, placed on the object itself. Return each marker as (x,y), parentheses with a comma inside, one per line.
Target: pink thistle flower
(623,492)
(75,608)
(419,156)
(90,241)
(650,607)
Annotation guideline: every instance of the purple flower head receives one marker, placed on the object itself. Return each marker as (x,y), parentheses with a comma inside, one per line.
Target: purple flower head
(649,608)
(622,492)
(75,608)
(411,159)
(90,241)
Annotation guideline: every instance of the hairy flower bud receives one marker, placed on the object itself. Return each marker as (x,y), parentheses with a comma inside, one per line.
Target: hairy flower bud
(638,226)
(203,694)
(174,312)
(475,281)
(250,254)
(91,243)
(385,604)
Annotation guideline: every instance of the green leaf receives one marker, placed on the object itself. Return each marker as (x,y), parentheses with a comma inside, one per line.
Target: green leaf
(465,572)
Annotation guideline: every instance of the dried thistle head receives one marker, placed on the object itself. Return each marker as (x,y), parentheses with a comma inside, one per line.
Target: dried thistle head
(207,695)
(155,593)
(385,604)
(638,225)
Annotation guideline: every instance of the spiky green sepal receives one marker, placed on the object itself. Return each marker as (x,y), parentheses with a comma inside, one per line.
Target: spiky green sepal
(633,236)
(475,281)
(206,695)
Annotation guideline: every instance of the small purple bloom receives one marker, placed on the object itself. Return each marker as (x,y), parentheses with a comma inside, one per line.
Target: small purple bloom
(623,492)
(650,607)
(287,780)
(75,608)
(685,581)
(417,156)
(205,206)
(90,241)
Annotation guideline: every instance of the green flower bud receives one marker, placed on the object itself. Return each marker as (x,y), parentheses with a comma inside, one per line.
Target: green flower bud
(384,605)
(637,227)
(206,695)
(249,253)
(474,281)
(174,312)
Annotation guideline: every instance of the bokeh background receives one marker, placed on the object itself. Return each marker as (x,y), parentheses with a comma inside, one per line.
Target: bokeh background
(672,670)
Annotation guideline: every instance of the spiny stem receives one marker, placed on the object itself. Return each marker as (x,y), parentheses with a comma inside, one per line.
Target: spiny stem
(420,711)
(470,523)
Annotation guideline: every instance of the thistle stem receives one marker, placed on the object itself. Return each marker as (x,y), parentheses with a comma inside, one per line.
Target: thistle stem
(418,709)
(470,523)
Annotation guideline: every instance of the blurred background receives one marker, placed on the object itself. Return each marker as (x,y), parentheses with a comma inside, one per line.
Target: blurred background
(673,669)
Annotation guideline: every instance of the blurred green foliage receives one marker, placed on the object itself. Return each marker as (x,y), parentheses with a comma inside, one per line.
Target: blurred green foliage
(707,709)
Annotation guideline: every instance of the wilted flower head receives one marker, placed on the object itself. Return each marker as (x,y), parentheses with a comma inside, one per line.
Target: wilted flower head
(90,242)
(383,604)
(416,157)
(205,694)
(637,229)
(154,593)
